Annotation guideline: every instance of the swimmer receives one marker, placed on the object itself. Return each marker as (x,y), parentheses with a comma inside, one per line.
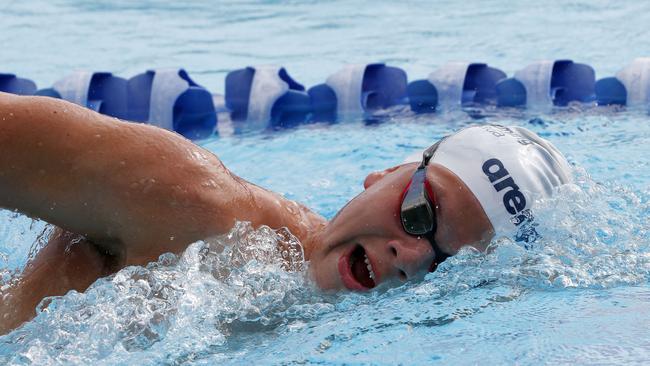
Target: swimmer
(122,194)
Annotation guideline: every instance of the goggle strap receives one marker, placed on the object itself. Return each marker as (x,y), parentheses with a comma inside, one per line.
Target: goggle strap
(428,153)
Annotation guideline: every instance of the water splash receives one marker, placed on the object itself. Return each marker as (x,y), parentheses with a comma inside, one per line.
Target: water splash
(180,306)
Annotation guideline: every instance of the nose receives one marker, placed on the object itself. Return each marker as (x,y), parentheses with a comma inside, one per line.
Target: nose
(372,178)
(410,257)
(375,177)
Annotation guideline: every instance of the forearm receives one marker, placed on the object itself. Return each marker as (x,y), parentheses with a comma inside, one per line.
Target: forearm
(67,262)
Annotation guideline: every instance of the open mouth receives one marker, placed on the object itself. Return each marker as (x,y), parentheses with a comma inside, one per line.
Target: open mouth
(361,268)
(356,270)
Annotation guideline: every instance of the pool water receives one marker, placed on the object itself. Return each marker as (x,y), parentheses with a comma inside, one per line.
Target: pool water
(581,294)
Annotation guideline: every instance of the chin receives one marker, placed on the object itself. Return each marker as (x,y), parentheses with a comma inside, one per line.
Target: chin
(325,280)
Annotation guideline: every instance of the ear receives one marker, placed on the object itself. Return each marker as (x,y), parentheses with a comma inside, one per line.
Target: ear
(375,177)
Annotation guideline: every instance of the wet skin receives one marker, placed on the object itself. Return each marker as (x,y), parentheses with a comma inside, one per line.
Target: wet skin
(372,221)
(121,193)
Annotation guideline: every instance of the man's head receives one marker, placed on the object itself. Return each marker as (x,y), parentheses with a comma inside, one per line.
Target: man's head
(481,181)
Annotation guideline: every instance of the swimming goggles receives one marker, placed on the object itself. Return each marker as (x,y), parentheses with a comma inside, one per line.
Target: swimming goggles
(418,209)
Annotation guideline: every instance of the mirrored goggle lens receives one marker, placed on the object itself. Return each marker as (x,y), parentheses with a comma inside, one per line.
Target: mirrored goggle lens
(416,213)
(417,220)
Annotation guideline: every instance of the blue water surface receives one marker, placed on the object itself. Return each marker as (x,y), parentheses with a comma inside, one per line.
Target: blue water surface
(581,294)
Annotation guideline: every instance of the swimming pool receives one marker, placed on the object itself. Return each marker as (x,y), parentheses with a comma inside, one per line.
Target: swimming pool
(579,295)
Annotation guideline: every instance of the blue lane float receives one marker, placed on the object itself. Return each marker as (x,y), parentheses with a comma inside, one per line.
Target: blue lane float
(548,83)
(170,99)
(455,84)
(99,91)
(358,89)
(266,96)
(423,96)
(610,91)
(263,97)
(630,86)
(10,83)
(166,98)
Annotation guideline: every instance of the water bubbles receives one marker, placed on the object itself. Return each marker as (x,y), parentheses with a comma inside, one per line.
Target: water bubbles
(247,280)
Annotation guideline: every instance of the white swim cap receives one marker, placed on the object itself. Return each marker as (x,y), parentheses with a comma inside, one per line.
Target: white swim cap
(506,168)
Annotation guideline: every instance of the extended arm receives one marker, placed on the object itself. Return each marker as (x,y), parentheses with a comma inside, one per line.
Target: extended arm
(123,185)
(130,190)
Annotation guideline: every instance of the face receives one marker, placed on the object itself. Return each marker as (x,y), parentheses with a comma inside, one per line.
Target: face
(365,244)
